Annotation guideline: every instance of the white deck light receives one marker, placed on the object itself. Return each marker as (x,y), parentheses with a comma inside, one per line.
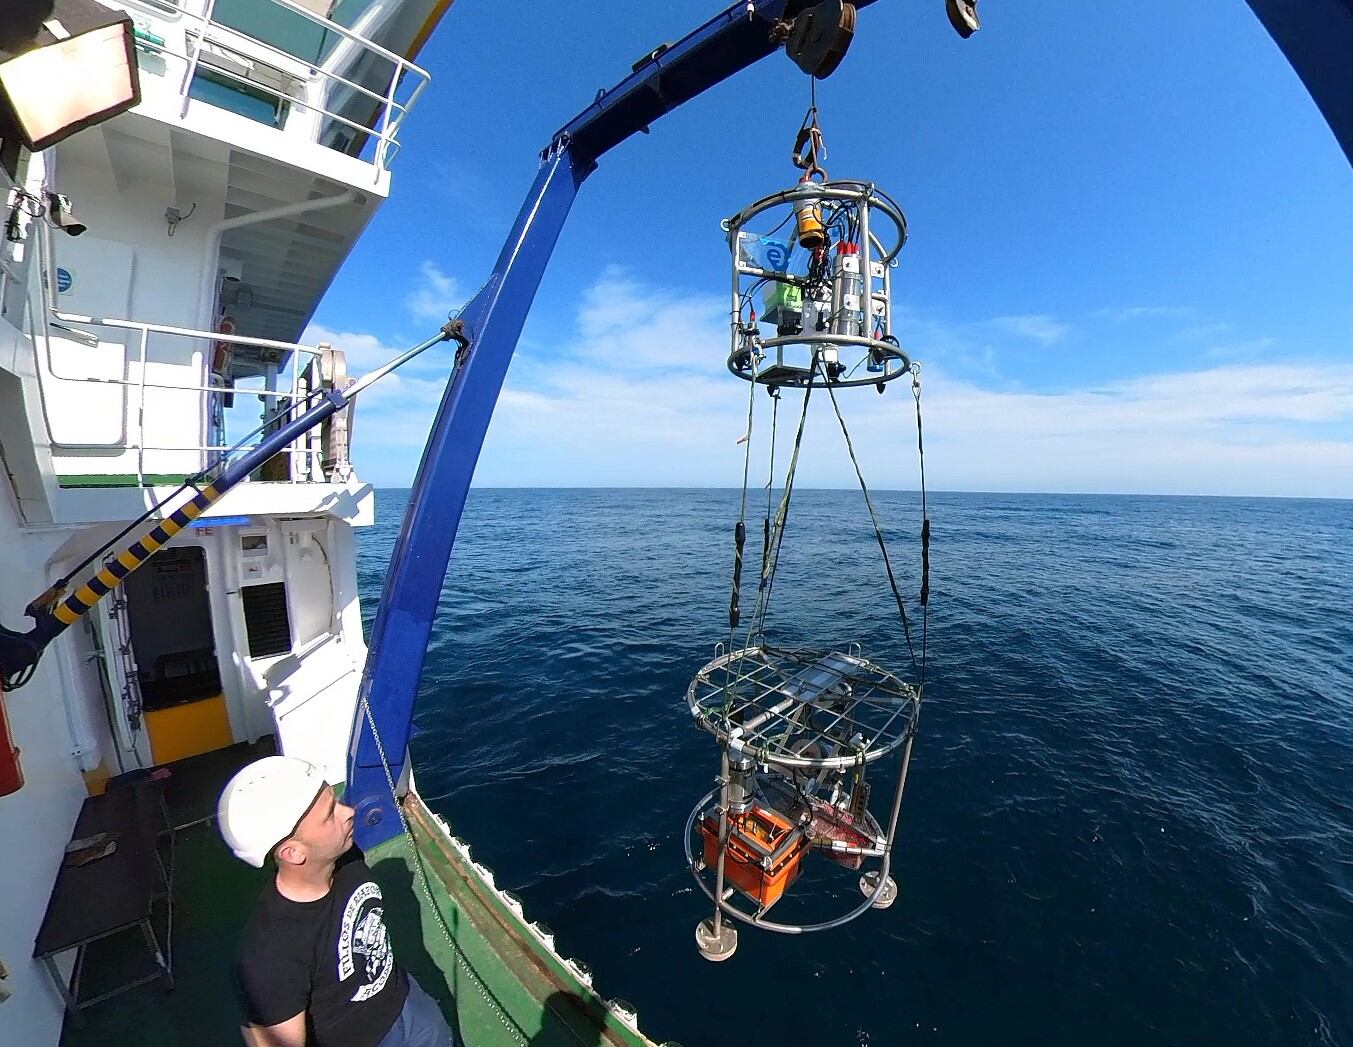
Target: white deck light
(64,65)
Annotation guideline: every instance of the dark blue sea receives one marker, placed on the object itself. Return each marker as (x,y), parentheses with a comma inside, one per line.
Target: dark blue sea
(1130,812)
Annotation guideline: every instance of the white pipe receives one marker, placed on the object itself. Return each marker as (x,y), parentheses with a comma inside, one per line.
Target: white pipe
(361,37)
(211,260)
(207,295)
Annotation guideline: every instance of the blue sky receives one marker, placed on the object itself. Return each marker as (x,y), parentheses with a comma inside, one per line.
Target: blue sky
(1130,266)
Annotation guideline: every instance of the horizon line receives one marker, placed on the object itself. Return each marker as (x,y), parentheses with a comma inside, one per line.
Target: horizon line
(896,490)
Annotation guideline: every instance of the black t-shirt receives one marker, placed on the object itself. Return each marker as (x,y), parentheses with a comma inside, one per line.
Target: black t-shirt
(330,958)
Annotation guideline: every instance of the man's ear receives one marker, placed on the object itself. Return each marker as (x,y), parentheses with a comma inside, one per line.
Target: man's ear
(290,852)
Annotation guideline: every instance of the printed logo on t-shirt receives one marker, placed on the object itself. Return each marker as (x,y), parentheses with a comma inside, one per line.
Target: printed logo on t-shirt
(363,944)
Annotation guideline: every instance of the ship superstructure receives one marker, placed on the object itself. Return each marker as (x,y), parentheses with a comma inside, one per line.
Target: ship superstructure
(157,273)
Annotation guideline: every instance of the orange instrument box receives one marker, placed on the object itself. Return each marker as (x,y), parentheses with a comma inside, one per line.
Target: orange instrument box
(764,853)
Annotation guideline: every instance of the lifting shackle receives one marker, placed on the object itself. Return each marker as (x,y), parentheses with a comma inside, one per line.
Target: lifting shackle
(809,150)
(809,147)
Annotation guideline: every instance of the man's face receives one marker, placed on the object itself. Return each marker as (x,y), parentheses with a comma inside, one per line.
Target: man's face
(325,832)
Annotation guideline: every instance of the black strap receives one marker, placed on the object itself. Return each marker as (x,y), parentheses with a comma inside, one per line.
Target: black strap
(739,536)
(758,622)
(878,532)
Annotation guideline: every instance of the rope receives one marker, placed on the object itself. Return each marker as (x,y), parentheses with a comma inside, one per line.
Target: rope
(924,598)
(740,532)
(878,531)
(770,478)
(758,622)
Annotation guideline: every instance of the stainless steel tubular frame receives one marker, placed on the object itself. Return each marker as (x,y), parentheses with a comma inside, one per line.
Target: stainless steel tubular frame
(770,925)
(773,710)
(868,199)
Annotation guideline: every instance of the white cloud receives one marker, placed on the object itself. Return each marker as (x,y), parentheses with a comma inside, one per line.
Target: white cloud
(1149,312)
(639,394)
(363,351)
(1278,429)
(627,326)
(436,296)
(1246,349)
(1038,326)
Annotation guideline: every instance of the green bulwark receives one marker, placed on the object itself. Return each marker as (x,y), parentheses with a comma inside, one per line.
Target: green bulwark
(509,988)
(495,979)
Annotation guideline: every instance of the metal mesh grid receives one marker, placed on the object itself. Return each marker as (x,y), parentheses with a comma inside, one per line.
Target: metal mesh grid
(802,708)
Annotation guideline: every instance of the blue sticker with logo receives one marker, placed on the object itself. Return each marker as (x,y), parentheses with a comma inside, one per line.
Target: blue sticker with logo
(63,280)
(775,253)
(764,252)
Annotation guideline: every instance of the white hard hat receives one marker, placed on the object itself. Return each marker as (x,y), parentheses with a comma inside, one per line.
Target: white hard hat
(263,804)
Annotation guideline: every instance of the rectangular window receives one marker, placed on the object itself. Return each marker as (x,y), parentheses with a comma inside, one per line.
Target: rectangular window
(266,619)
(229,93)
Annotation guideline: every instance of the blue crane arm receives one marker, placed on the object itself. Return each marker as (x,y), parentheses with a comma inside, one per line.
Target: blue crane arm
(493,318)
(673,74)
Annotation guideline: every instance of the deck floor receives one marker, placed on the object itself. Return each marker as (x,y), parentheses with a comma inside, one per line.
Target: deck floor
(496,985)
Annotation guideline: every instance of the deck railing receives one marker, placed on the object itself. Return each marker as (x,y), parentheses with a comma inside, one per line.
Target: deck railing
(317,456)
(314,85)
(306,453)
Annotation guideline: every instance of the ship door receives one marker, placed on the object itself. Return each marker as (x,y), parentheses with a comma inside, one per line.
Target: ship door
(170,617)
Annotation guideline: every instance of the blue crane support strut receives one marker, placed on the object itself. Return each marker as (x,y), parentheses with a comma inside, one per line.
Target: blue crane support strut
(493,319)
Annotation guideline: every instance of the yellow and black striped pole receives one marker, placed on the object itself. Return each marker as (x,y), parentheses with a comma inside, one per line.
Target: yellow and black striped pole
(53,612)
(116,568)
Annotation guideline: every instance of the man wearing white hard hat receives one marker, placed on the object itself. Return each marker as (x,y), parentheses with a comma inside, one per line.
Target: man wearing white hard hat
(315,967)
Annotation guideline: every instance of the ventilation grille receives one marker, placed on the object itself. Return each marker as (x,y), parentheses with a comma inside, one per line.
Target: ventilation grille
(265,616)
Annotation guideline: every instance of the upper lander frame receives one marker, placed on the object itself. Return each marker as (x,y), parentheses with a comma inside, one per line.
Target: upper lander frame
(877,257)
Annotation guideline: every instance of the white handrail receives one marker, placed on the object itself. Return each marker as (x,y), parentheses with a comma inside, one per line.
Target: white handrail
(383,126)
(191,69)
(186,332)
(299,454)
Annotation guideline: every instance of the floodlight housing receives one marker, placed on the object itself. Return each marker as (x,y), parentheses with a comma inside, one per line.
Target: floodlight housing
(64,65)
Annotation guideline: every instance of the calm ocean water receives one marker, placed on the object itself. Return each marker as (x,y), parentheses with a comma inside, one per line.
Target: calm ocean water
(1129,818)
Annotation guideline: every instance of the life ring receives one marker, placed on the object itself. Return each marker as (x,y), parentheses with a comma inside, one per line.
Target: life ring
(221,351)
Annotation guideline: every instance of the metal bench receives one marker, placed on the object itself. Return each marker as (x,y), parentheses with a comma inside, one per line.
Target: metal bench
(113,894)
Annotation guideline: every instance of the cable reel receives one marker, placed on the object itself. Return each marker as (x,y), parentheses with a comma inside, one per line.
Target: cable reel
(802,729)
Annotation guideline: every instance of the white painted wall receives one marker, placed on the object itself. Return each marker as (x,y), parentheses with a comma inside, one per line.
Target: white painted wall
(126,266)
(95,278)
(35,822)
(307,697)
